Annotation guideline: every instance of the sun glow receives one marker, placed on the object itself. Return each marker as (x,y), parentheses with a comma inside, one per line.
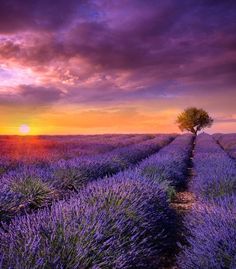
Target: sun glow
(24,129)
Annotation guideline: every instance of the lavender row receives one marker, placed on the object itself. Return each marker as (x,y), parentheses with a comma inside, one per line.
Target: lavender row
(28,188)
(73,173)
(102,144)
(43,150)
(121,222)
(68,148)
(227,142)
(216,171)
(211,224)
(16,150)
(168,166)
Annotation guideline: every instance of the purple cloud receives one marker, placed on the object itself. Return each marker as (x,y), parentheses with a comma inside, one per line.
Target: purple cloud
(31,95)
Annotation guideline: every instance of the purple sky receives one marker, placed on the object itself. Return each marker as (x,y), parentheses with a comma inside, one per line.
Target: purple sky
(71,66)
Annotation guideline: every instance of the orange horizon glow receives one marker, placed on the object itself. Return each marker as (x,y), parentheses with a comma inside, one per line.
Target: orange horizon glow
(101,122)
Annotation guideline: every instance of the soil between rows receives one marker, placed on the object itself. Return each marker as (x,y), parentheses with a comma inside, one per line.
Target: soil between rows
(182,203)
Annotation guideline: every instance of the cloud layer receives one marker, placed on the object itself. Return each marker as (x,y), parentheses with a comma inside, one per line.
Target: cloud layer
(149,55)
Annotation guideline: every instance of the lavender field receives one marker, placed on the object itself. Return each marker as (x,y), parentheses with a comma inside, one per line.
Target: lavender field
(118,201)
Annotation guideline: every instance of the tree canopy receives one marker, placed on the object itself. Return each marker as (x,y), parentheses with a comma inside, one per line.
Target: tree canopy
(193,120)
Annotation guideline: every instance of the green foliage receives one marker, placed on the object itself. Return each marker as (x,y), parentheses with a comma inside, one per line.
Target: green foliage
(156,173)
(160,175)
(193,120)
(171,193)
(2,170)
(32,191)
(70,177)
(218,187)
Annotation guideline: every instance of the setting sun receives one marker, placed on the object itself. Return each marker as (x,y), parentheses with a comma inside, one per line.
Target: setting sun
(24,129)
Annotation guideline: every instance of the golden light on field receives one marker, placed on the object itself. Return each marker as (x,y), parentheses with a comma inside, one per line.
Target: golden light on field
(24,129)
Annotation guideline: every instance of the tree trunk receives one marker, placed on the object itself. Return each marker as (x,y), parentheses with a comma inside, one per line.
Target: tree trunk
(194,131)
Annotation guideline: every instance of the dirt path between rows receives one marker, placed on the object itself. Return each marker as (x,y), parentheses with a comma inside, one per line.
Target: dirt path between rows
(182,204)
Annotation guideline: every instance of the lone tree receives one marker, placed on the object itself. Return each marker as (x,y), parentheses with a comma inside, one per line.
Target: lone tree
(193,120)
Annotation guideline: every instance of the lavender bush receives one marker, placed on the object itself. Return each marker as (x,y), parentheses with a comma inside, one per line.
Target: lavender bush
(117,223)
(24,189)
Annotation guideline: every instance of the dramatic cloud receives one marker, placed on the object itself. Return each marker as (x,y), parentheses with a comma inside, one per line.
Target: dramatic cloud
(28,95)
(151,55)
(17,15)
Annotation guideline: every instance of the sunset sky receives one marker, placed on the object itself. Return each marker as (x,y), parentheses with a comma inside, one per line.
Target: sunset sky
(106,66)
